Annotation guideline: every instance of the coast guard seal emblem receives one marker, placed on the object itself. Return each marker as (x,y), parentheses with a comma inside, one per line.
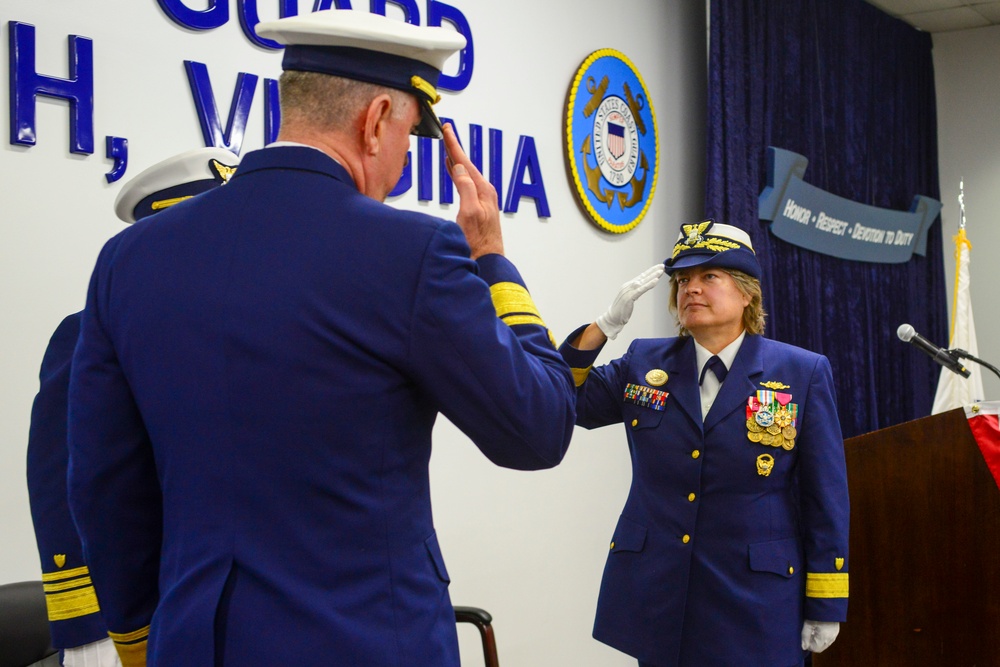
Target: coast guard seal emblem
(611,141)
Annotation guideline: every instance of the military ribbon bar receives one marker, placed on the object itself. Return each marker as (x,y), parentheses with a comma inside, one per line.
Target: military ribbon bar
(646,397)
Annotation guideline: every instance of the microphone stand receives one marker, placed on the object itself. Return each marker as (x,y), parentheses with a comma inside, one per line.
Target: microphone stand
(962,354)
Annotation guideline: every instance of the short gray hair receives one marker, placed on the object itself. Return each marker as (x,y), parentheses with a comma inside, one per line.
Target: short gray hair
(331,102)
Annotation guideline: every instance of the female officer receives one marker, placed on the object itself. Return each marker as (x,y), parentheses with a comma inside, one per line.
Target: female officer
(732,546)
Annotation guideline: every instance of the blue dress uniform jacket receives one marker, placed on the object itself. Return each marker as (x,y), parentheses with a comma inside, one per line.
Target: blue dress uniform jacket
(712,561)
(251,405)
(74,615)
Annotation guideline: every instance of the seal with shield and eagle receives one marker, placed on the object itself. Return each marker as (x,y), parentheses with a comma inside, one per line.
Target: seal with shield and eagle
(612,144)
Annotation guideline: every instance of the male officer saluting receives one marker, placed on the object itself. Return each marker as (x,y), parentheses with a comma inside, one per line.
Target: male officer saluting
(74,614)
(250,437)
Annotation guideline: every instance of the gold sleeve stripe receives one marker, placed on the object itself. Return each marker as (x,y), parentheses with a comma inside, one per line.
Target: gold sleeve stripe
(552,339)
(827,585)
(71,604)
(512,298)
(580,374)
(66,574)
(132,655)
(129,637)
(65,585)
(511,320)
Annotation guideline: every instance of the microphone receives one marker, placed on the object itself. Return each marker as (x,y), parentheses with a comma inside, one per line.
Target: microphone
(907,334)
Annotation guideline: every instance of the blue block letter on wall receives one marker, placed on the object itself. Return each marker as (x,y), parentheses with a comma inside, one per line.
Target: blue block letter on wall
(527,161)
(216,15)
(437,12)
(249,18)
(26,83)
(208,111)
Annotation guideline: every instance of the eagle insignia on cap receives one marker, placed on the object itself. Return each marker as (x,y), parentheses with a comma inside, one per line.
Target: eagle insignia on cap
(693,233)
(698,235)
(223,172)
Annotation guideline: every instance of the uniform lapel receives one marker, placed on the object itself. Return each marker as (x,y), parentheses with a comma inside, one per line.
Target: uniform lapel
(683,383)
(739,384)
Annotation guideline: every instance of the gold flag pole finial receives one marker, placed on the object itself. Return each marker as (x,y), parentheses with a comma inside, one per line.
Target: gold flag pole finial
(961,202)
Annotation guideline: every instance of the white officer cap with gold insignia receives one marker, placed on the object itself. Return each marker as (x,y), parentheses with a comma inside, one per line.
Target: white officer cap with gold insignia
(372,48)
(709,243)
(173,180)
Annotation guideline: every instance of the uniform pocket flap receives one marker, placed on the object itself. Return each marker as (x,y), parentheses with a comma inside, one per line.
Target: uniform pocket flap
(781,557)
(638,418)
(629,536)
(435,552)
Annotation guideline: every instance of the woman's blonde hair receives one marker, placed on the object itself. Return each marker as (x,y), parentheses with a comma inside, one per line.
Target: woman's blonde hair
(754,314)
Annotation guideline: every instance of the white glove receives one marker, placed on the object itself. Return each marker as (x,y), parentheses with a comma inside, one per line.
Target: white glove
(614,320)
(101,653)
(818,635)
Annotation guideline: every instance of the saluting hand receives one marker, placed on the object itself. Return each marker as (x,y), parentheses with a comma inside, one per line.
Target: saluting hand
(478,211)
(620,311)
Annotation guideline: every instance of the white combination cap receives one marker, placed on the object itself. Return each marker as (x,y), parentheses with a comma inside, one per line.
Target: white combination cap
(173,180)
(372,48)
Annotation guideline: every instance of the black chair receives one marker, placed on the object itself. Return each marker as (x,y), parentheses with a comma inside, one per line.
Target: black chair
(25,639)
(483,621)
(24,626)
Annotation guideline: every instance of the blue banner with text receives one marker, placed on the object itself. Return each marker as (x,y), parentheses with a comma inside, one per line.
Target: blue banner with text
(811,218)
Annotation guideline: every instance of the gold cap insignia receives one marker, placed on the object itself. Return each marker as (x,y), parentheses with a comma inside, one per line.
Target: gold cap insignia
(693,233)
(656,377)
(765,462)
(60,559)
(222,171)
(774,385)
(838,563)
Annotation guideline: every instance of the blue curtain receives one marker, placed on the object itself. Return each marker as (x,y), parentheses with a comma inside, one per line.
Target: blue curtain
(851,89)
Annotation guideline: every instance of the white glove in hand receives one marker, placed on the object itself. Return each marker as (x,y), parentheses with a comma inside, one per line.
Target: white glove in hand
(818,635)
(99,654)
(613,321)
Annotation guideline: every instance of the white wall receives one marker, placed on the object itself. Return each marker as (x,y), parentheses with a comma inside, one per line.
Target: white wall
(528,547)
(968,105)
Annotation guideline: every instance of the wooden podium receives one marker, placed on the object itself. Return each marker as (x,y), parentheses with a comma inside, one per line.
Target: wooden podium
(925,549)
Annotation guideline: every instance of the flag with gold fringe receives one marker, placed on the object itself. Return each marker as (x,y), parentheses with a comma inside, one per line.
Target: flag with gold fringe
(953,390)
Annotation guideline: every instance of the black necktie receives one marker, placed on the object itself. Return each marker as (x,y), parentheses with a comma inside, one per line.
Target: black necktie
(717,367)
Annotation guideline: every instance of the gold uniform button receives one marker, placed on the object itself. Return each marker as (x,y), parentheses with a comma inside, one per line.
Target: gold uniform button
(691,497)
(612,546)
(695,454)
(635,422)
(791,570)
(686,539)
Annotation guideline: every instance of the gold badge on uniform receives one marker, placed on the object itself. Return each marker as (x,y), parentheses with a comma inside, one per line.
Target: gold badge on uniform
(838,563)
(765,463)
(59,559)
(771,384)
(656,377)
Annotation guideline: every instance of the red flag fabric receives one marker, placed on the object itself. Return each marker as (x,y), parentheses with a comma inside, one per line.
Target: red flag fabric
(985,425)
